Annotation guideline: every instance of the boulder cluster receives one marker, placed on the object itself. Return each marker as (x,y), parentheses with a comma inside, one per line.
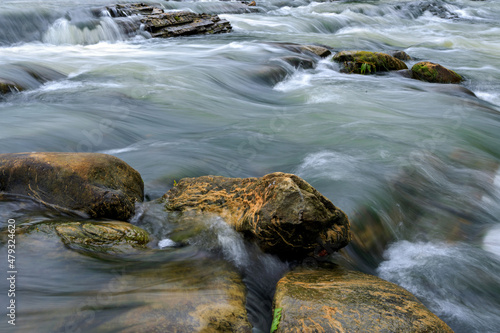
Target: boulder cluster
(281,213)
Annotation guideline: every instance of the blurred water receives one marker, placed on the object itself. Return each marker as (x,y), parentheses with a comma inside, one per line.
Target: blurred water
(413,164)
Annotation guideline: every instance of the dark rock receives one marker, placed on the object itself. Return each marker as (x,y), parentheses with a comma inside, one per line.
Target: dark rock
(364,62)
(24,76)
(97,185)
(299,62)
(339,300)
(7,86)
(159,23)
(401,55)
(318,50)
(282,212)
(404,73)
(435,73)
(269,74)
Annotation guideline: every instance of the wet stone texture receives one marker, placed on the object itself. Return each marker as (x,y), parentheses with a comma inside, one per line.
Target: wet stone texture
(96,185)
(159,23)
(339,300)
(282,212)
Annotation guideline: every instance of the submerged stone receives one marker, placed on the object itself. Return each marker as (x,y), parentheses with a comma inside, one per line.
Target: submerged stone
(281,212)
(92,236)
(184,296)
(365,62)
(339,300)
(434,73)
(97,185)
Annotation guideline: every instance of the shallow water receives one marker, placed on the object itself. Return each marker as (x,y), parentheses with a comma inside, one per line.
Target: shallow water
(413,164)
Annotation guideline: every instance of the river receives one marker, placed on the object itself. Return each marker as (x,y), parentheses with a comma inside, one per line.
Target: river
(414,165)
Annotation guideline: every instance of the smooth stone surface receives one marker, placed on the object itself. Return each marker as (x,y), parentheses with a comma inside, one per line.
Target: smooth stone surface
(96,185)
(339,300)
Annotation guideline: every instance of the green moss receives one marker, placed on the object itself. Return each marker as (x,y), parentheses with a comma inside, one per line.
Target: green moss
(276,319)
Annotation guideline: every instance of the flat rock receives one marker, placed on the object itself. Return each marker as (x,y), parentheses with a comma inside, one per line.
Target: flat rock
(159,23)
(339,300)
(281,212)
(110,237)
(96,185)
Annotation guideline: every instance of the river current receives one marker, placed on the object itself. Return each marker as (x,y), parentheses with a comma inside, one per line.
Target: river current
(414,165)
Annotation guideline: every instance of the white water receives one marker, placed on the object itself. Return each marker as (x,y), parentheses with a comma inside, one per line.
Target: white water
(414,163)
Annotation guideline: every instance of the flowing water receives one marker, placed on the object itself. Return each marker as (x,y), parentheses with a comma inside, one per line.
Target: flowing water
(414,165)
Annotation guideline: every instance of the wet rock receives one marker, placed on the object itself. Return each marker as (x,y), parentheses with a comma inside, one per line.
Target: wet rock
(401,55)
(196,295)
(404,73)
(24,76)
(299,62)
(281,212)
(364,62)
(110,237)
(159,23)
(435,73)
(318,50)
(269,74)
(7,86)
(97,185)
(339,300)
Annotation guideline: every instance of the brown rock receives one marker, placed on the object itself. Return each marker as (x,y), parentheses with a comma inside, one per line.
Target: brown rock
(435,73)
(110,237)
(320,51)
(365,62)
(401,55)
(98,185)
(7,86)
(338,300)
(285,214)
(195,295)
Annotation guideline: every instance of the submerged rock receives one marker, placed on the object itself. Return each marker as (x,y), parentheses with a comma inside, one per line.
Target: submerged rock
(7,86)
(435,73)
(282,212)
(94,237)
(24,76)
(365,62)
(339,300)
(184,296)
(97,185)
(159,23)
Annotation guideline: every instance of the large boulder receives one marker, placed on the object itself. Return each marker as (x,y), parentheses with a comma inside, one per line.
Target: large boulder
(282,212)
(365,62)
(96,185)
(339,300)
(159,23)
(435,73)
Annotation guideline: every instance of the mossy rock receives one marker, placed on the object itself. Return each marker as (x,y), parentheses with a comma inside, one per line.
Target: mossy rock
(365,62)
(110,237)
(339,300)
(96,185)
(434,73)
(281,212)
